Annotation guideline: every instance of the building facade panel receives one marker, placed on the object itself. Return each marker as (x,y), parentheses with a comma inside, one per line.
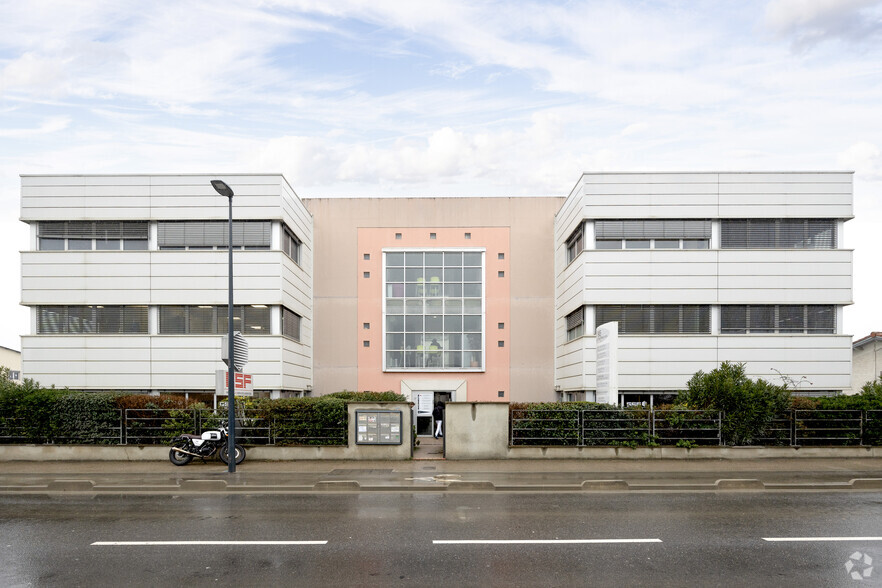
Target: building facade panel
(184,280)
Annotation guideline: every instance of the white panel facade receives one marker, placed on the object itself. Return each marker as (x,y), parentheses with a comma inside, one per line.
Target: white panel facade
(157,278)
(712,277)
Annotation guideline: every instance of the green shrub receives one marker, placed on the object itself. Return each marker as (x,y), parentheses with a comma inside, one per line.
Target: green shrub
(749,406)
(85,417)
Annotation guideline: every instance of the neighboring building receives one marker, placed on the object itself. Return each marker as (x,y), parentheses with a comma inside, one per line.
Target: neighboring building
(11,359)
(701,268)
(866,361)
(466,299)
(126,279)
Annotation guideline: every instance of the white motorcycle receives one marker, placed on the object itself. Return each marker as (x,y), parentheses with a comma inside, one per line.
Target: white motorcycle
(185,447)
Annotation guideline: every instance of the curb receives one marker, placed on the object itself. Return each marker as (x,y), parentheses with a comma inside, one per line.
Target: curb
(88,487)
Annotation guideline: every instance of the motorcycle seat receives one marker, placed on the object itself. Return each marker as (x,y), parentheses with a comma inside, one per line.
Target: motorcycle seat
(191,436)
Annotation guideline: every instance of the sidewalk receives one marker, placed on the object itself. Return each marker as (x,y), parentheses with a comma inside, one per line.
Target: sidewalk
(438,475)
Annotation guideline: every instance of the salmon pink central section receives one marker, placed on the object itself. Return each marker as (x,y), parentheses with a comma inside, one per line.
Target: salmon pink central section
(489,382)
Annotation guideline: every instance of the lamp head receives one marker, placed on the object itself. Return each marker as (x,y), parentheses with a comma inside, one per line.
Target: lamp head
(221,188)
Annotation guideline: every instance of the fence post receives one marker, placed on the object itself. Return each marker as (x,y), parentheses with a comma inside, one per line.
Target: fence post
(720,428)
(863,423)
(581,436)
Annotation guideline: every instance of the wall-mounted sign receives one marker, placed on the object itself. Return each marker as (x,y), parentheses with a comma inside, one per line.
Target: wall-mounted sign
(378,427)
(244,383)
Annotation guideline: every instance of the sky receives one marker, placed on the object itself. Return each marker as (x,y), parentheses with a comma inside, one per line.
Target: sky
(356,98)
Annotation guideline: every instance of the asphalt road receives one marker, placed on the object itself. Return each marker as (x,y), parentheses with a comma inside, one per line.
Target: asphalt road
(436,539)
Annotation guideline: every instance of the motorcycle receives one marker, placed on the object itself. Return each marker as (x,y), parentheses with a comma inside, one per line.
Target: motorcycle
(185,447)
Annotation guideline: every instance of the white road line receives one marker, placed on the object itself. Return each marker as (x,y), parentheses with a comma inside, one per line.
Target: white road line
(537,541)
(128,543)
(782,539)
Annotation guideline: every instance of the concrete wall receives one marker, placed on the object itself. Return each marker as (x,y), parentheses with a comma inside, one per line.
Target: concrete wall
(476,430)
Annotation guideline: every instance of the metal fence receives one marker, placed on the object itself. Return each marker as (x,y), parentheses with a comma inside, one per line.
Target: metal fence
(158,426)
(633,427)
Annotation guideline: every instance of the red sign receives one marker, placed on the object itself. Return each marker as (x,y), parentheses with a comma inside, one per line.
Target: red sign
(243,383)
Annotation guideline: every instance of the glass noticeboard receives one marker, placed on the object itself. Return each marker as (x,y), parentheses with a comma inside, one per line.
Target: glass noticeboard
(378,427)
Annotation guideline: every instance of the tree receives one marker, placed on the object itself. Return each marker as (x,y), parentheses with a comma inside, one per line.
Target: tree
(748,406)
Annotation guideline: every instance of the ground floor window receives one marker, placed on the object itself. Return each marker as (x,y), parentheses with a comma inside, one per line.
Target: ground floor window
(656,319)
(213,320)
(777,318)
(98,319)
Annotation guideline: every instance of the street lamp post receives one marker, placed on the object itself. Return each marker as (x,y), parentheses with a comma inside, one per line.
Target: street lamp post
(224,190)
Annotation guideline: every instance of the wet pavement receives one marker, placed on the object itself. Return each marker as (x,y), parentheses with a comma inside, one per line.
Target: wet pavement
(428,471)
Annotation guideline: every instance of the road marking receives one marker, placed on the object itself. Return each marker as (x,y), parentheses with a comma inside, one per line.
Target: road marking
(536,541)
(125,543)
(781,539)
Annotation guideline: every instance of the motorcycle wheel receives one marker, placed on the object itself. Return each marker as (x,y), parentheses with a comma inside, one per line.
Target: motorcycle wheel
(225,454)
(178,458)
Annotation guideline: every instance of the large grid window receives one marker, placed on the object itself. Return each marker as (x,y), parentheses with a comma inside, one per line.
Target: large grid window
(213,320)
(92,235)
(434,310)
(291,245)
(290,324)
(196,235)
(92,320)
(576,323)
(777,318)
(657,319)
(811,233)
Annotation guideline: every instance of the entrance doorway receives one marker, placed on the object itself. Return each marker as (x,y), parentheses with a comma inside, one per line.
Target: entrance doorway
(424,403)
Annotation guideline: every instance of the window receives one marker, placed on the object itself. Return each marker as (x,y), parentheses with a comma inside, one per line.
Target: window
(434,310)
(657,319)
(575,243)
(290,324)
(92,235)
(291,245)
(783,318)
(653,234)
(100,320)
(576,323)
(213,320)
(213,234)
(13,375)
(778,234)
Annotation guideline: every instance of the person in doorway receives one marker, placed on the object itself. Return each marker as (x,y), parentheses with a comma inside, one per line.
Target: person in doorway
(438,415)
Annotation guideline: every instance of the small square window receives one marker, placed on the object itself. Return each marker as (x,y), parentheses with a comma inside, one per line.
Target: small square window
(501,393)
(367,274)
(398,236)
(367,256)
(366,326)
(500,326)
(433,236)
(501,256)
(501,274)
(468,235)
(500,343)
(366,343)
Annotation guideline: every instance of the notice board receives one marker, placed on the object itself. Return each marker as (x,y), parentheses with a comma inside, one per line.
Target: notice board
(378,427)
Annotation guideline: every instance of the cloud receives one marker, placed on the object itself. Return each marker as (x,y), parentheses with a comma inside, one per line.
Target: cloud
(809,22)
(864,158)
(50,125)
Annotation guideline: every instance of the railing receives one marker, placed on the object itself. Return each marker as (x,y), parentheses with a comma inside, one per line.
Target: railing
(102,431)
(689,427)
(633,427)
(158,426)
(828,427)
